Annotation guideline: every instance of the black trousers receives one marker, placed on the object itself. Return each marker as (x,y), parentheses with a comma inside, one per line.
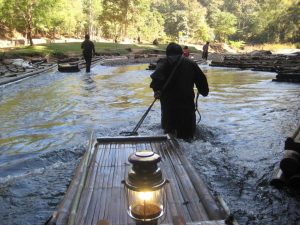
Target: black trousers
(204,55)
(88,61)
(180,122)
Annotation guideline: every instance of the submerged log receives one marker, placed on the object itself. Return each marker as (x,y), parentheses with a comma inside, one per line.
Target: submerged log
(68,67)
(294,181)
(278,180)
(294,141)
(290,164)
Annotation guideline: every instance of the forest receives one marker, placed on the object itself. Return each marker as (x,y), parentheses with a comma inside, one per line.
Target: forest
(190,21)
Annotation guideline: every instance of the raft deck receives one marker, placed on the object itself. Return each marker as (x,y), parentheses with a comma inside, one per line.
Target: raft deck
(96,194)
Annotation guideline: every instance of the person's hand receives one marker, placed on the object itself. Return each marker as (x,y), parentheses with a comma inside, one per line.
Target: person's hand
(157,94)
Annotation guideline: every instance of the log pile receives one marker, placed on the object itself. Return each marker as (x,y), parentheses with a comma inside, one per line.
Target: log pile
(289,73)
(286,66)
(14,67)
(12,70)
(194,57)
(288,174)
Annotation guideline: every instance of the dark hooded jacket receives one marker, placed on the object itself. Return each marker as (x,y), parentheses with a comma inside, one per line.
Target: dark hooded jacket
(179,92)
(177,99)
(88,48)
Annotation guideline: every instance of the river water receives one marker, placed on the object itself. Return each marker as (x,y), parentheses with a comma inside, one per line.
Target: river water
(46,122)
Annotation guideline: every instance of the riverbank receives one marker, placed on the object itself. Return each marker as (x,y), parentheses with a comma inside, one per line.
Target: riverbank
(109,54)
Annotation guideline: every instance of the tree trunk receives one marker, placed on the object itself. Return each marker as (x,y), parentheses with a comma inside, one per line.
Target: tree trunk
(90,25)
(28,19)
(29,36)
(126,11)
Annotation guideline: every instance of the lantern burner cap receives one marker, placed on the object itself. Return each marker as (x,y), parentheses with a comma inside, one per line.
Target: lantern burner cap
(144,153)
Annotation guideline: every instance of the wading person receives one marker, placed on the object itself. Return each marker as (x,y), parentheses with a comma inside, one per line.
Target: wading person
(186,51)
(205,51)
(176,93)
(88,52)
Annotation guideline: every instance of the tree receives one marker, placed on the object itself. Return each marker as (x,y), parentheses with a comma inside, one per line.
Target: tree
(224,24)
(186,17)
(22,15)
(273,22)
(245,11)
(111,18)
(146,23)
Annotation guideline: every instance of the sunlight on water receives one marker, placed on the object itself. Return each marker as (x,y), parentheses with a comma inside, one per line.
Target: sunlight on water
(46,122)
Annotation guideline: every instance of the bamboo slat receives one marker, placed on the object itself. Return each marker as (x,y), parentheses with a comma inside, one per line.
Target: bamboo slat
(177,199)
(178,220)
(214,211)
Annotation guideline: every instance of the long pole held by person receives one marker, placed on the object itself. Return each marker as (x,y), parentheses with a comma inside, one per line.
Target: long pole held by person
(134,131)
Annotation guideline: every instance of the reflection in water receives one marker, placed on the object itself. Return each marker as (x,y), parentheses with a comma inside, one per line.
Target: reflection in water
(46,122)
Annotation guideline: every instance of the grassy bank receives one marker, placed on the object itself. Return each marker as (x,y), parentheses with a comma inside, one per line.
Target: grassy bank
(60,50)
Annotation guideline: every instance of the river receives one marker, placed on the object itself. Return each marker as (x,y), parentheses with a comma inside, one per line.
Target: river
(46,122)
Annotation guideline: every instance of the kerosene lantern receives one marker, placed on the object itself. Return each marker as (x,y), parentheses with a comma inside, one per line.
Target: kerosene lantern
(144,188)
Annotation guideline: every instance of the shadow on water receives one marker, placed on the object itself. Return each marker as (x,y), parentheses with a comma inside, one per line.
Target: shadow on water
(46,122)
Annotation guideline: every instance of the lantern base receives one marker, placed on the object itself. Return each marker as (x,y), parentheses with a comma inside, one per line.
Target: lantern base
(146,212)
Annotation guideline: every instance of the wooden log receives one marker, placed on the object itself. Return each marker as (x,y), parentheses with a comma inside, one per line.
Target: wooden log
(68,67)
(294,181)
(290,164)
(278,179)
(290,76)
(293,142)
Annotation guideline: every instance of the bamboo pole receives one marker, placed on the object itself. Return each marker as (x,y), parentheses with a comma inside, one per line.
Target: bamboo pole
(75,202)
(209,202)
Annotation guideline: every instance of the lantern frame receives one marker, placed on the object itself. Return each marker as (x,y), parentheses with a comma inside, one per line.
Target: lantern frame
(145,179)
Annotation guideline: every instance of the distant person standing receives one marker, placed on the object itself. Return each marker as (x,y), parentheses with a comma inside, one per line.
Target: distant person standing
(88,52)
(205,51)
(186,51)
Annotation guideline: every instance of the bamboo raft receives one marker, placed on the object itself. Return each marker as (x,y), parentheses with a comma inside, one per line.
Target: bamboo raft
(288,172)
(96,194)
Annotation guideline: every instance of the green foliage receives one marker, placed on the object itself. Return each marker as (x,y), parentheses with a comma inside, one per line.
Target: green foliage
(190,21)
(184,19)
(224,25)
(237,44)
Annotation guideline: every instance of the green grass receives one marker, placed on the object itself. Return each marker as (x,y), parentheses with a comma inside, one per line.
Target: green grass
(73,49)
(272,47)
